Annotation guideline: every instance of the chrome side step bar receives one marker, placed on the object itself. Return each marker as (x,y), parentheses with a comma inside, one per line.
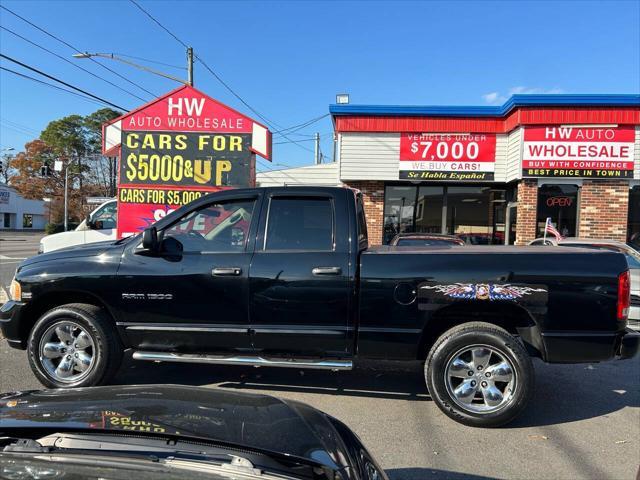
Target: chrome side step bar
(254,361)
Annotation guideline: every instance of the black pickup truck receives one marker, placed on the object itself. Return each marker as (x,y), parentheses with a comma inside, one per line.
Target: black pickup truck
(284,277)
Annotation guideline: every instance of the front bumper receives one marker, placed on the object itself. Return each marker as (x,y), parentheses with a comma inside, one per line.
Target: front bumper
(10,314)
(590,347)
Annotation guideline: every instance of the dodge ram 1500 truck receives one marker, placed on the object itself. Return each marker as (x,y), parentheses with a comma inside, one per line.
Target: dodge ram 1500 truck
(285,277)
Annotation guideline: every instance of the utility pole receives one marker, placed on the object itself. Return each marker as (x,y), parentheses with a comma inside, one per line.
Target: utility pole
(66,201)
(66,191)
(190,66)
(316,150)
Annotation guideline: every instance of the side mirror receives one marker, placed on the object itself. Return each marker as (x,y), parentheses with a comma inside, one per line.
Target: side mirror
(150,239)
(88,222)
(171,248)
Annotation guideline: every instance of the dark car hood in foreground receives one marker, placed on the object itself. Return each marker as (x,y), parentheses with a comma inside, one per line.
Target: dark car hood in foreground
(256,421)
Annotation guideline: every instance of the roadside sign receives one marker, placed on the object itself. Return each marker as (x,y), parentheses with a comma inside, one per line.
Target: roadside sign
(591,151)
(177,148)
(446,156)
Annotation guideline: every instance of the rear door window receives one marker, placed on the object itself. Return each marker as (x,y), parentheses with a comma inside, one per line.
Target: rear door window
(302,223)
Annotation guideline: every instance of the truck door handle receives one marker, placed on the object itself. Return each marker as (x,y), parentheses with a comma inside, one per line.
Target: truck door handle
(326,271)
(226,271)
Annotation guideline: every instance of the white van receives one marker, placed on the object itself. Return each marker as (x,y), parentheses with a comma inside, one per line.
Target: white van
(98,226)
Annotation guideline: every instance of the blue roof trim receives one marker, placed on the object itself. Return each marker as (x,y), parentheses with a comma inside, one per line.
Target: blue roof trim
(521,100)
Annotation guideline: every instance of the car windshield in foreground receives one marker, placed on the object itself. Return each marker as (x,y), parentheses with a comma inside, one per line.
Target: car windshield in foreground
(91,467)
(118,456)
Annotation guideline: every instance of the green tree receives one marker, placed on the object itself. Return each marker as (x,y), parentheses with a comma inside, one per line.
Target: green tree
(105,168)
(93,125)
(67,136)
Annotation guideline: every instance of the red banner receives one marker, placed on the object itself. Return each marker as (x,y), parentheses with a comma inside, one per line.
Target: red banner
(138,208)
(567,151)
(437,156)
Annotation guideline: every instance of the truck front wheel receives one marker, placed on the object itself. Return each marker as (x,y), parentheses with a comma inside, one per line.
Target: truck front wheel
(74,345)
(479,375)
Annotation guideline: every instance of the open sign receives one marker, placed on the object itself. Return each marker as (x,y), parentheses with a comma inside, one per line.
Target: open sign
(559,201)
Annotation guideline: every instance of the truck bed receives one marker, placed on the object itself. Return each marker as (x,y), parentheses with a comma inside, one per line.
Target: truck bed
(554,293)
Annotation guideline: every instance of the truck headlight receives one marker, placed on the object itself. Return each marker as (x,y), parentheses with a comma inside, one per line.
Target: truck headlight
(41,248)
(15,290)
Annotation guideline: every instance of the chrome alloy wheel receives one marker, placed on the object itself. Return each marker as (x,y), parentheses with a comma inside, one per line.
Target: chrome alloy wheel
(67,352)
(480,379)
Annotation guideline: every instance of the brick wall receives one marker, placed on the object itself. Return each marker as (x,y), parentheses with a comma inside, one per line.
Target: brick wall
(527,211)
(604,206)
(373,196)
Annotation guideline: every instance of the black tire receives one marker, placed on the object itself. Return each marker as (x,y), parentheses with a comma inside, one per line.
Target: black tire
(106,349)
(453,344)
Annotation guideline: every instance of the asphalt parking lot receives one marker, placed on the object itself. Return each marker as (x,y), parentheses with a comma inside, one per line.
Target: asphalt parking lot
(584,421)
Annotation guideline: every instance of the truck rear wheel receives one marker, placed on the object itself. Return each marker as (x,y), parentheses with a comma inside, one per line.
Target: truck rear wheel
(479,375)
(74,345)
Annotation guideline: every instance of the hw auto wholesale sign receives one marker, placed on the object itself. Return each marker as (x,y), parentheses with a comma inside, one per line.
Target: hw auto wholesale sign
(587,152)
(443,156)
(177,149)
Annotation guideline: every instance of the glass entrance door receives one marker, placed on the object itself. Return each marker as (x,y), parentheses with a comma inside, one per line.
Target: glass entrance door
(560,203)
(512,218)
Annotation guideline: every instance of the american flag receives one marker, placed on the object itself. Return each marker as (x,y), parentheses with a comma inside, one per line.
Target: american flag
(549,228)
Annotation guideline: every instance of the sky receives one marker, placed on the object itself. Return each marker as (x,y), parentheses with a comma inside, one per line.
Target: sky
(288,60)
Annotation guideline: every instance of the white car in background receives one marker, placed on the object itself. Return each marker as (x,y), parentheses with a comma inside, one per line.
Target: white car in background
(99,225)
(633,259)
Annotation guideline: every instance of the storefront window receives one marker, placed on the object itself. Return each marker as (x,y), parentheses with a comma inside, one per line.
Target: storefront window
(633,229)
(27,220)
(399,203)
(429,209)
(560,203)
(475,214)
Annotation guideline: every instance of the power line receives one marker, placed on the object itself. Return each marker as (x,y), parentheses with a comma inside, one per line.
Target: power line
(71,63)
(75,49)
(304,140)
(16,128)
(21,132)
(204,64)
(269,122)
(151,61)
(302,125)
(49,85)
(16,124)
(61,81)
(159,24)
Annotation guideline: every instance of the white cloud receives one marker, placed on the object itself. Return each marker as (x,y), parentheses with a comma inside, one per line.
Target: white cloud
(493,98)
(496,98)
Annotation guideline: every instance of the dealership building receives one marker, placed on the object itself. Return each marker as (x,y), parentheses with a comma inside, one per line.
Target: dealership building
(489,174)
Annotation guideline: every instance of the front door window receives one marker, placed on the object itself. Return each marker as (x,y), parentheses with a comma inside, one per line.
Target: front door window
(219,227)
